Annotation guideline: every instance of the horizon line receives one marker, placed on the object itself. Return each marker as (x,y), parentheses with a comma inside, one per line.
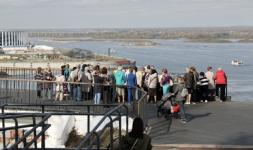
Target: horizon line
(103,28)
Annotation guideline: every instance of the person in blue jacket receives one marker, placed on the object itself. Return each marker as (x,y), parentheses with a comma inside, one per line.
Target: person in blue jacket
(131,84)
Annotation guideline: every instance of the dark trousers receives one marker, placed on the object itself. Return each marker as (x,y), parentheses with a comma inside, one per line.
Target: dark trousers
(220,91)
(204,92)
(39,93)
(195,95)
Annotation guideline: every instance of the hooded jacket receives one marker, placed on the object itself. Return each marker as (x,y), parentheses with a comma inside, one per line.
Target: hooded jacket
(153,80)
(220,77)
(120,77)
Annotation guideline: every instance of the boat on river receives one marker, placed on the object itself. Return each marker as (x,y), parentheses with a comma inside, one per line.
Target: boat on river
(236,62)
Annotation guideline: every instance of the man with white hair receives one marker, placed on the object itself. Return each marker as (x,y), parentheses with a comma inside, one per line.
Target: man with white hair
(220,79)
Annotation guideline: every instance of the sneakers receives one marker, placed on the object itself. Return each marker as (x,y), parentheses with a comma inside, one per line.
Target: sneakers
(206,101)
(187,103)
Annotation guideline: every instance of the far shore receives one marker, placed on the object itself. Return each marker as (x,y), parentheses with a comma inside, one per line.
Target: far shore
(148,42)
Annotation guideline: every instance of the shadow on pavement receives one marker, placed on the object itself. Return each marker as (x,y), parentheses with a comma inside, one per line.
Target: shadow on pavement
(240,138)
(194,116)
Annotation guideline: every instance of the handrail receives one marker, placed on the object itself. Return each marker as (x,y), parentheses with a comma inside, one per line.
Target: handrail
(58,69)
(40,124)
(140,110)
(108,114)
(46,81)
(34,126)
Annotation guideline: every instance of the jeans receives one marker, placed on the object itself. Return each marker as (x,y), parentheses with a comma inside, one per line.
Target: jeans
(48,93)
(138,94)
(77,93)
(182,110)
(70,89)
(130,95)
(97,97)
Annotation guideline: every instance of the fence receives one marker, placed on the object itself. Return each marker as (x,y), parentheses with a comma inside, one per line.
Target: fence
(18,90)
(115,115)
(22,73)
(20,136)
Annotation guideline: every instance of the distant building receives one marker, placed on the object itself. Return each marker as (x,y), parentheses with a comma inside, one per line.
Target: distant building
(11,38)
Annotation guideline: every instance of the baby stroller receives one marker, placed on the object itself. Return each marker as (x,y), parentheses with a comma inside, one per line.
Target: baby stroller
(167,107)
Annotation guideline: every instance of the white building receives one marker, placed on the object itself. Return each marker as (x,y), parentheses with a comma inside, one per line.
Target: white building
(11,38)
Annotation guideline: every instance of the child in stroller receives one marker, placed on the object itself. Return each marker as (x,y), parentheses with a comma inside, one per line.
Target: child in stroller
(167,107)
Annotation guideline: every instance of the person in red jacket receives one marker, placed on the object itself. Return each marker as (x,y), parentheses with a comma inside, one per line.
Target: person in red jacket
(220,79)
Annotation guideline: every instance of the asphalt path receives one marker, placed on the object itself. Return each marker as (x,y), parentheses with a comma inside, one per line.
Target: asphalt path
(227,123)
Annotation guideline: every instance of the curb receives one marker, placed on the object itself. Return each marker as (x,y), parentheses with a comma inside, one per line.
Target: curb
(200,146)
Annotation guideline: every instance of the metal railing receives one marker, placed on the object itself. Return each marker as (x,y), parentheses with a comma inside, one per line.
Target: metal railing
(41,91)
(22,93)
(92,140)
(23,139)
(115,114)
(22,73)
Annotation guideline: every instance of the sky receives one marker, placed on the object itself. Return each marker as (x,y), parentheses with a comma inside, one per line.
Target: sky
(43,14)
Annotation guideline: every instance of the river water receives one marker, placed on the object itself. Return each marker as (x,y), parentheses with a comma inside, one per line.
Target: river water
(176,55)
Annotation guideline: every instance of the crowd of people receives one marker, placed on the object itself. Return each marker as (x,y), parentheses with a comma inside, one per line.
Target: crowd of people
(97,83)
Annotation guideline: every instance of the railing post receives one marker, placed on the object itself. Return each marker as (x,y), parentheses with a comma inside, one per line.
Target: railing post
(127,112)
(16,130)
(3,126)
(111,132)
(6,91)
(34,132)
(24,142)
(29,92)
(43,126)
(119,130)
(88,122)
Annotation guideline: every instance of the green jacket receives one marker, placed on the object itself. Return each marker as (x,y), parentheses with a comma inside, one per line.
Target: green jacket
(120,77)
(140,144)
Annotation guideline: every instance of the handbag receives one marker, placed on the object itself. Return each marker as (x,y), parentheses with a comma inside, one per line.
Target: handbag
(171,82)
(184,92)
